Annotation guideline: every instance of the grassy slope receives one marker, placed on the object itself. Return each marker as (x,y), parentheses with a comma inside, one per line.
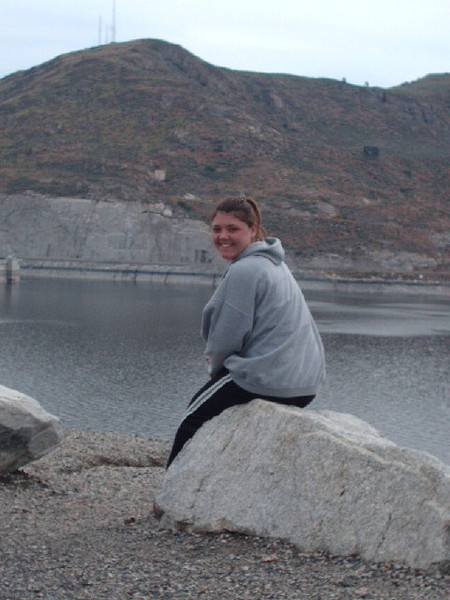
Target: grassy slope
(100,123)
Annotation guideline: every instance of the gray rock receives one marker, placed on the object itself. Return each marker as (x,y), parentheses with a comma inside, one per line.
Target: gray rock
(39,227)
(27,431)
(320,479)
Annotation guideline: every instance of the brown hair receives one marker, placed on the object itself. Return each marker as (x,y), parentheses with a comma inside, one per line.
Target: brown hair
(246,210)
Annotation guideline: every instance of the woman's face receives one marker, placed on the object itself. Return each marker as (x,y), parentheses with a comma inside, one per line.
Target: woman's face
(230,235)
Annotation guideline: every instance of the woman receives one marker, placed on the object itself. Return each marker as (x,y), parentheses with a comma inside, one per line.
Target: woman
(261,340)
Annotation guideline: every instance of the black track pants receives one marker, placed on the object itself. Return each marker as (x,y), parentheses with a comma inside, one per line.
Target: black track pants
(216,396)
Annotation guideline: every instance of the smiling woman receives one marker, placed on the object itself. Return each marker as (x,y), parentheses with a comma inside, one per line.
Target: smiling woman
(261,340)
(231,236)
(236,224)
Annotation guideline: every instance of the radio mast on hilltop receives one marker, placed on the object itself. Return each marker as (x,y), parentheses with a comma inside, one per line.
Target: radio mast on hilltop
(113,29)
(109,31)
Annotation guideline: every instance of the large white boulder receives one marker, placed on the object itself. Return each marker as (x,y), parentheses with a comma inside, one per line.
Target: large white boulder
(320,479)
(27,431)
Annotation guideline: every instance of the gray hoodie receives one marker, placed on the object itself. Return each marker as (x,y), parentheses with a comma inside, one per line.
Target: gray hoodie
(257,324)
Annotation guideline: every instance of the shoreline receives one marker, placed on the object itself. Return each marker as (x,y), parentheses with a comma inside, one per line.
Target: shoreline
(211,275)
(78,524)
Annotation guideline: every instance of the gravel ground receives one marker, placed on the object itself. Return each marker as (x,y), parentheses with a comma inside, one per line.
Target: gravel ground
(77,524)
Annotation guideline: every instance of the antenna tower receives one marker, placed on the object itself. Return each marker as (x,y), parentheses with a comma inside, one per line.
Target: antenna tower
(113,31)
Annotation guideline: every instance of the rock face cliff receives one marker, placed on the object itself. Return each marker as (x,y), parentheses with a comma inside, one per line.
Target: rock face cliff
(356,178)
(38,227)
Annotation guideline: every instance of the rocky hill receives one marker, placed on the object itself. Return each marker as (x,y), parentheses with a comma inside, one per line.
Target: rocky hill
(355,180)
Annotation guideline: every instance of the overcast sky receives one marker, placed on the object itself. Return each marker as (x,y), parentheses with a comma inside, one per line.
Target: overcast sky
(381,42)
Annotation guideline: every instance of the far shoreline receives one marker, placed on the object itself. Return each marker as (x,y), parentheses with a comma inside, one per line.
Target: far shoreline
(211,275)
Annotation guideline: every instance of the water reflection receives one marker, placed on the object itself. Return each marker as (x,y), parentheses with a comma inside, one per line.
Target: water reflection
(126,357)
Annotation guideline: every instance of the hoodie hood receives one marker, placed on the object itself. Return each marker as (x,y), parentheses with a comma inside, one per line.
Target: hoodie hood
(271,249)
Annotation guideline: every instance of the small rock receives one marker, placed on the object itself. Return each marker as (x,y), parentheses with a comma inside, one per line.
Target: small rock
(269,559)
(27,431)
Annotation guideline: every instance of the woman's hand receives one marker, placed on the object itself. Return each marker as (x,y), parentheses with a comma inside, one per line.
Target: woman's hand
(208,362)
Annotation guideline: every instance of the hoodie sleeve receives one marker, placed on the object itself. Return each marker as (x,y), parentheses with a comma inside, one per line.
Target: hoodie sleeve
(228,317)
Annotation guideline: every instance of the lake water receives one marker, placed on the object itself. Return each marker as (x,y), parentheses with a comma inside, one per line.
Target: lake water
(109,356)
